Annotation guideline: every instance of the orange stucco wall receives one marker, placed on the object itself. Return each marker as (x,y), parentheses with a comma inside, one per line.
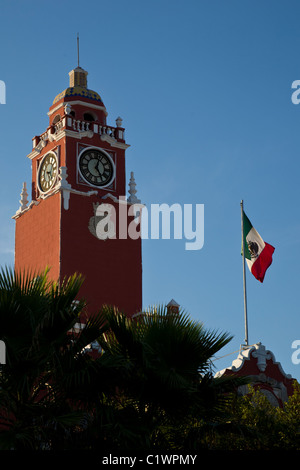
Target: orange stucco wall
(112,268)
(37,238)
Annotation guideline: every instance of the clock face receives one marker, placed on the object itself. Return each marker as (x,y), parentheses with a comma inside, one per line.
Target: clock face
(47,172)
(96,167)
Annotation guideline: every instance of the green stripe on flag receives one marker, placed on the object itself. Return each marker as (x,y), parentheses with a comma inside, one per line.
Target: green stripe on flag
(247,227)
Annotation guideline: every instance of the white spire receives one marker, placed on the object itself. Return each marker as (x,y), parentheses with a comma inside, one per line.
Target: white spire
(24,198)
(132,191)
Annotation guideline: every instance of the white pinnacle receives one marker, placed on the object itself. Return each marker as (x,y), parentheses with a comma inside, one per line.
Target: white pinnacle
(24,198)
(132,191)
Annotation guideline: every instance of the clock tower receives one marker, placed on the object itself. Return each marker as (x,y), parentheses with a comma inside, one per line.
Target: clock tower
(79,218)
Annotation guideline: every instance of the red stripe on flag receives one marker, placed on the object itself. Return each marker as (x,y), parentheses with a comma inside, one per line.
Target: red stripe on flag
(262,263)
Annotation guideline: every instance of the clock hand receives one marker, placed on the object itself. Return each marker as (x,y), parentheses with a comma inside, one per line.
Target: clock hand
(100,172)
(95,167)
(49,171)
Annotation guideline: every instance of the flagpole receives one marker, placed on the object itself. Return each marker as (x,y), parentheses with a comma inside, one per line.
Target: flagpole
(244,275)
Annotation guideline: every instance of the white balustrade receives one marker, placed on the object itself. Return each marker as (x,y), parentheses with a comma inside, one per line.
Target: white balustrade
(80,126)
(107,130)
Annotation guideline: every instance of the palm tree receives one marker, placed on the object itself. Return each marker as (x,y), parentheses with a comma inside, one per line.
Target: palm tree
(44,397)
(170,380)
(149,385)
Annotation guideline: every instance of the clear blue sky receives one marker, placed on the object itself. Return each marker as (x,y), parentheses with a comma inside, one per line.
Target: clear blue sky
(204,90)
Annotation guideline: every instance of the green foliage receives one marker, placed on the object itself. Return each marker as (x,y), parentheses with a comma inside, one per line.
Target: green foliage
(150,386)
(44,394)
(253,423)
(168,376)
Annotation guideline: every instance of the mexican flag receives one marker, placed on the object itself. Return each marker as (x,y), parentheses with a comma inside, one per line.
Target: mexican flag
(258,254)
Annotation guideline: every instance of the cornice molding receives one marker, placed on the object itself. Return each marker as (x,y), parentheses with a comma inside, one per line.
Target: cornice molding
(82,103)
(74,135)
(22,211)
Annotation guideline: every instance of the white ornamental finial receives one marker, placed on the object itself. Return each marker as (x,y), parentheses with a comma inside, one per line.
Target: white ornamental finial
(24,198)
(119,121)
(67,108)
(132,191)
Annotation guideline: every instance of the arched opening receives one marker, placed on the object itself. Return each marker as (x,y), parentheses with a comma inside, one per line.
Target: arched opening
(56,119)
(89,117)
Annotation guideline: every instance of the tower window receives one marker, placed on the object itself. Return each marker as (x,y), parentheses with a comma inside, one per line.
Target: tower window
(56,119)
(89,117)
